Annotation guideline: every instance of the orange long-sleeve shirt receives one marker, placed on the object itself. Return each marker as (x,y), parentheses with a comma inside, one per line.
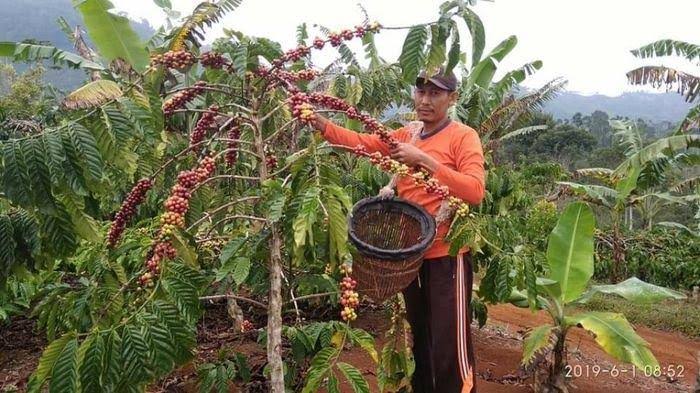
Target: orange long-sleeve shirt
(458,150)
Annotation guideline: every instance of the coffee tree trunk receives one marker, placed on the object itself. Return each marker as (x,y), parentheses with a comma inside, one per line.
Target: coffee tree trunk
(274,318)
(274,311)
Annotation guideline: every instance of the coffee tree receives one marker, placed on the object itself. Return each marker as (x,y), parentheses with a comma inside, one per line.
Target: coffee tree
(231,195)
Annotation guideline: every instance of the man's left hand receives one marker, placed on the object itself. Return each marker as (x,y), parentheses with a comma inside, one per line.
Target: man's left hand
(412,156)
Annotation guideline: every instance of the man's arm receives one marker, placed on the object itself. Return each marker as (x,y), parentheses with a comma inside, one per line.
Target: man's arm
(333,133)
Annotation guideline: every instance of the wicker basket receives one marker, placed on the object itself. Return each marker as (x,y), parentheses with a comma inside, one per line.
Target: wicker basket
(391,236)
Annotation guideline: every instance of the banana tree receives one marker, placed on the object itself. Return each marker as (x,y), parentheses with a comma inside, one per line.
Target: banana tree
(570,259)
(636,181)
(686,84)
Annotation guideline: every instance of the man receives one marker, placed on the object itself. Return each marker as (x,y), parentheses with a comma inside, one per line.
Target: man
(437,302)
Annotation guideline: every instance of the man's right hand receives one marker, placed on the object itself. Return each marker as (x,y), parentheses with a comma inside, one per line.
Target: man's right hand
(320,122)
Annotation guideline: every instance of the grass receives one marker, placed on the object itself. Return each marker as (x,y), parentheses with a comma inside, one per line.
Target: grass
(677,316)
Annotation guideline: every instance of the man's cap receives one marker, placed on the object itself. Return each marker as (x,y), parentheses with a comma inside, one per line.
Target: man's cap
(440,79)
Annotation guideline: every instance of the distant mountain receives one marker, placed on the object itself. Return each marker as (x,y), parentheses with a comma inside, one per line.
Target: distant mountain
(36,19)
(656,107)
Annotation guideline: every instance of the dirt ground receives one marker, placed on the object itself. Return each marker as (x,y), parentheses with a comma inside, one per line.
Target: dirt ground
(498,348)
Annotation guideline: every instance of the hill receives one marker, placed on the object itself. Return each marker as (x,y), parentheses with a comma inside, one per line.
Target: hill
(656,107)
(38,22)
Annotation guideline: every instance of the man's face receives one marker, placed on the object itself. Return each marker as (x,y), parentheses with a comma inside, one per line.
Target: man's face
(432,102)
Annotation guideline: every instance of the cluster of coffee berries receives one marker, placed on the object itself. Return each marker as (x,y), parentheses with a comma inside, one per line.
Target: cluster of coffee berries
(292,55)
(388,164)
(371,124)
(179,99)
(261,72)
(349,299)
(163,250)
(420,176)
(234,133)
(328,101)
(204,124)
(270,158)
(247,326)
(173,59)
(335,39)
(319,43)
(360,31)
(461,207)
(176,206)
(432,186)
(285,78)
(173,219)
(128,210)
(214,60)
(301,108)
(301,75)
(346,269)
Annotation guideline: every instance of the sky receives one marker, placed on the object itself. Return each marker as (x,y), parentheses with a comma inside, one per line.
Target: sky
(587,42)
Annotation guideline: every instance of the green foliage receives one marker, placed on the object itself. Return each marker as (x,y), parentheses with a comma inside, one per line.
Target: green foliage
(565,144)
(354,377)
(476,29)
(483,72)
(541,219)
(669,315)
(19,243)
(537,341)
(659,256)
(413,53)
(570,259)
(668,48)
(22,97)
(32,52)
(331,337)
(570,250)
(112,34)
(54,175)
(616,336)
(218,376)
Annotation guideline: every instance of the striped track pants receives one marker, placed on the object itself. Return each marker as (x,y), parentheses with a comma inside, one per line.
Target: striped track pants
(437,306)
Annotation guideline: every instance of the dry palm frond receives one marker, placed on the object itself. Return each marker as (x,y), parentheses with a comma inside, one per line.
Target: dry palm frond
(603,174)
(687,185)
(93,94)
(657,76)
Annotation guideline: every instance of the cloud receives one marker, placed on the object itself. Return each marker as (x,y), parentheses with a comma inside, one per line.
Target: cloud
(587,42)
